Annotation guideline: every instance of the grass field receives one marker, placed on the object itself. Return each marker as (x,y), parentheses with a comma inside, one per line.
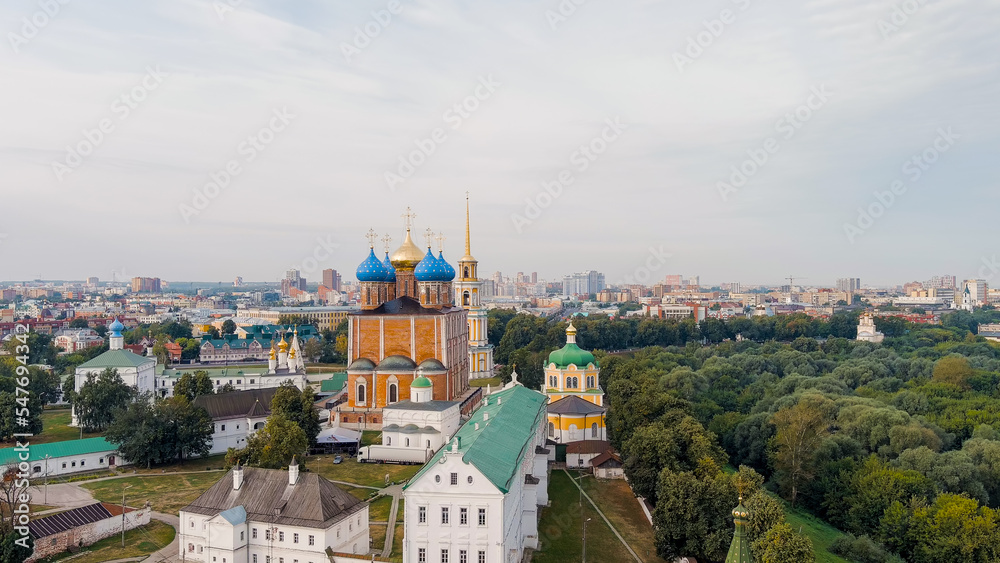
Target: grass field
(138,542)
(56,428)
(377,532)
(378,511)
(367,474)
(616,500)
(167,494)
(561,528)
(370,437)
(821,534)
(492,381)
(397,544)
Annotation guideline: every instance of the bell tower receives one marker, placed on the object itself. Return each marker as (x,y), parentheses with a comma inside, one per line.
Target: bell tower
(468,290)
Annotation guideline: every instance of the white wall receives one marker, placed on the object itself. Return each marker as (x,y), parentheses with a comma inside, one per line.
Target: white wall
(75,464)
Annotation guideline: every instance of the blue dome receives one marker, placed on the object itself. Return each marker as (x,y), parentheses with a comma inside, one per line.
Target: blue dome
(389,268)
(448,270)
(372,269)
(430,269)
(116,327)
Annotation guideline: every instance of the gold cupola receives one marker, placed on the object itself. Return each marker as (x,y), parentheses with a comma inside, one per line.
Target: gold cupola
(407,256)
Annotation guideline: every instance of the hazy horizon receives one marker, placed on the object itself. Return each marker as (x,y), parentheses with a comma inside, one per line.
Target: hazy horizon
(304,112)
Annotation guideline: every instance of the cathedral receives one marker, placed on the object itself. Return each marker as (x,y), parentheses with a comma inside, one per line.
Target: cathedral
(572,384)
(410,326)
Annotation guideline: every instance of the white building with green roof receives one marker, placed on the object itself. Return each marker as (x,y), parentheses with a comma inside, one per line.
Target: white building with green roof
(135,370)
(477,499)
(64,458)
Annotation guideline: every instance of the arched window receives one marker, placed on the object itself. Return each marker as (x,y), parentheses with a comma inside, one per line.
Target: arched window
(593,430)
(362,395)
(466,272)
(407,442)
(590,382)
(465,297)
(388,440)
(428,444)
(393,393)
(552,430)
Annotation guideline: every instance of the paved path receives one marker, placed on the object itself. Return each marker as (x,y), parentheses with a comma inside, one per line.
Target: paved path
(396,491)
(62,495)
(603,517)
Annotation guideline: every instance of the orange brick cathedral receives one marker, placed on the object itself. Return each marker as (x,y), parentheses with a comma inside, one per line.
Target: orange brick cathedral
(408,326)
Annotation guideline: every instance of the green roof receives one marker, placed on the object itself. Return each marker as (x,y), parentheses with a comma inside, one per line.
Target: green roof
(59,449)
(117,359)
(498,447)
(334,384)
(571,354)
(421,383)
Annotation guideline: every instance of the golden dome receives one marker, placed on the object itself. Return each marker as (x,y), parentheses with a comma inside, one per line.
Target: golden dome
(282,346)
(407,256)
(271,356)
(291,354)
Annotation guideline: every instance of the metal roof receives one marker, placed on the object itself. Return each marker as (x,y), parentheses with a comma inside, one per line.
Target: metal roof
(507,423)
(117,359)
(51,525)
(431,406)
(236,404)
(575,405)
(59,449)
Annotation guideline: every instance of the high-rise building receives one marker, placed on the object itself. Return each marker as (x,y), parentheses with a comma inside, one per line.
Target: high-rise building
(583,283)
(93,280)
(975,292)
(534,277)
(849,285)
(331,279)
(946,281)
(145,285)
(673,280)
(734,287)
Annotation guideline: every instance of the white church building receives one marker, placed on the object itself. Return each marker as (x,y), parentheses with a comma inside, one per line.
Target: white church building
(477,500)
(135,370)
(413,430)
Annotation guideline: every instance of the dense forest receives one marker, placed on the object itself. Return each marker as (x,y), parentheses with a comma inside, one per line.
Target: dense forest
(897,444)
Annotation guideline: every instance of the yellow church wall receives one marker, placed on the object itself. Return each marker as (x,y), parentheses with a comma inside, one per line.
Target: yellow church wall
(565,422)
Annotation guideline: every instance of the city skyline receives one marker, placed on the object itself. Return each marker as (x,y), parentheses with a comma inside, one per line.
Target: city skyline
(628,129)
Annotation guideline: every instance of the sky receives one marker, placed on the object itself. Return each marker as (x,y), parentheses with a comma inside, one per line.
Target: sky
(737,140)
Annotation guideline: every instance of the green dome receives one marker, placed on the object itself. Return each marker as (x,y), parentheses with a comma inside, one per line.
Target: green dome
(422,383)
(571,354)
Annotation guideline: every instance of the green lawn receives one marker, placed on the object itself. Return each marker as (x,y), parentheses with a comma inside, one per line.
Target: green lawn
(378,511)
(367,474)
(140,541)
(618,503)
(167,494)
(821,533)
(561,528)
(370,437)
(56,428)
(397,545)
(494,382)
(377,533)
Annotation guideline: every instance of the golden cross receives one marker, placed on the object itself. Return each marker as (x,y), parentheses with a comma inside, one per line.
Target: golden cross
(429,237)
(386,240)
(371,236)
(440,239)
(408,218)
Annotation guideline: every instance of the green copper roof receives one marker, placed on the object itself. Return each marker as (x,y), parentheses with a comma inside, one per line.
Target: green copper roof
(499,445)
(421,382)
(117,359)
(59,449)
(334,384)
(739,550)
(571,354)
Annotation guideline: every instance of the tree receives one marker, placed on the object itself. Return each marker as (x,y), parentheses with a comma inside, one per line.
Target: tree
(765,513)
(312,349)
(954,370)
(99,398)
(781,544)
(228,326)
(693,516)
(800,430)
(16,547)
(297,406)
(14,490)
(79,322)
(193,385)
(163,431)
(227,388)
(272,446)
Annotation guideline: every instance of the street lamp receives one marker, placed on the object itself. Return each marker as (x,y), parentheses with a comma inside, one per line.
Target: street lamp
(46,486)
(585,539)
(125,488)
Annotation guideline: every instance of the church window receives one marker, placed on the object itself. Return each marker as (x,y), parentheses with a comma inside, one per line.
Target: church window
(83,462)
(281,536)
(223,427)
(428,444)
(593,430)
(590,382)
(241,536)
(295,538)
(312,540)
(552,430)
(362,394)
(407,442)
(388,440)
(422,514)
(482,516)
(465,298)
(393,393)
(444,515)
(463,516)
(253,533)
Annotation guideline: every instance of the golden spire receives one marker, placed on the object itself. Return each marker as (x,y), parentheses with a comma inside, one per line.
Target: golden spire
(468,239)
